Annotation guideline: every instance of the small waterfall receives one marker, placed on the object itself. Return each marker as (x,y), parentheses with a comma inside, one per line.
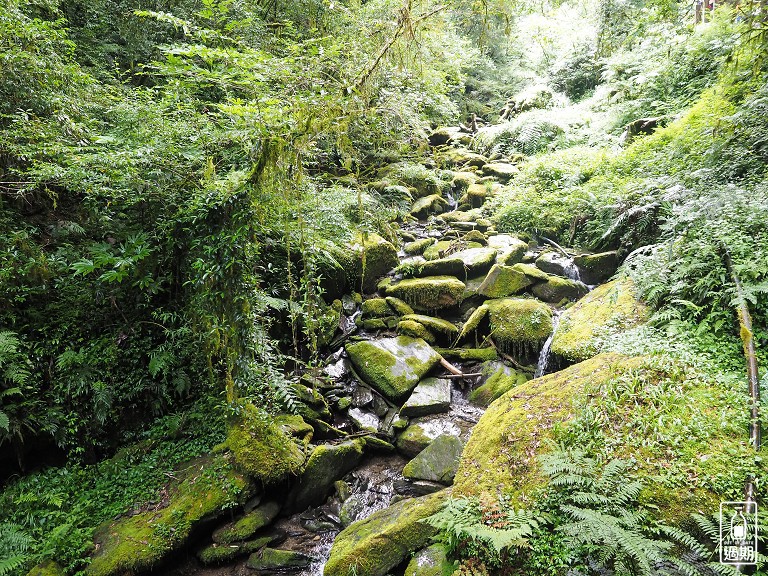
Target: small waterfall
(572,271)
(541,366)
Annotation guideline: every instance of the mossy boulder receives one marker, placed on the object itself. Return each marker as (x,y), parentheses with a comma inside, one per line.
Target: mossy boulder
(421,432)
(431,396)
(448,266)
(499,378)
(461,157)
(421,180)
(415,330)
(535,274)
(248,525)
(462,180)
(443,135)
(438,462)
(608,309)
(379,543)
(682,429)
(261,448)
(469,354)
(393,365)
(509,249)
(476,260)
(47,568)
(326,464)
(418,246)
(557,289)
(312,404)
(501,170)
(474,321)
(272,560)
(503,281)
(555,263)
(437,249)
(376,308)
(216,554)
(431,561)
(378,258)
(400,307)
(427,294)
(519,321)
(205,488)
(434,204)
(437,325)
(596,268)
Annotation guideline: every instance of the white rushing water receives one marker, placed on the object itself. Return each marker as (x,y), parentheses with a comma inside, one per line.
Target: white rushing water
(541,366)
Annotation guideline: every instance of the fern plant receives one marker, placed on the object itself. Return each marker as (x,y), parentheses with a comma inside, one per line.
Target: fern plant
(15,546)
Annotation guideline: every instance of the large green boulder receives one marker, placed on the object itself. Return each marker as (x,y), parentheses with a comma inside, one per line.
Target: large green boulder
(476,260)
(327,464)
(428,294)
(519,321)
(596,268)
(448,266)
(204,490)
(393,365)
(503,281)
(557,289)
(437,462)
(607,310)
(378,258)
(499,378)
(379,543)
(421,432)
(501,170)
(415,330)
(423,207)
(248,525)
(437,325)
(261,447)
(418,246)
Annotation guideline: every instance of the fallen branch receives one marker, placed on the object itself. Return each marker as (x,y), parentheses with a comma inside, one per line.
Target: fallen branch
(451,368)
(461,376)
(506,357)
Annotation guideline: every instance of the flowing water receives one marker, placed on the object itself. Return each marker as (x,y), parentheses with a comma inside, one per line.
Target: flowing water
(541,365)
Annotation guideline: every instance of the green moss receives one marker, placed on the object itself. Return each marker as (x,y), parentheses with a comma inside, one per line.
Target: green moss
(372,324)
(431,293)
(378,257)
(434,204)
(473,322)
(418,246)
(376,545)
(261,448)
(501,380)
(400,307)
(503,281)
(475,236)
(531,271)
(448,266)
(597,268)
(140,542)
(432,561)
(248,525)
(433,324)
(222,554)
(376,307)
(557,289)
(393,365)
(469,354)
(274,560)
(519,320)
(415,330)
(608,309)
(413,440)
(438,249)
(502,452)
(47,568)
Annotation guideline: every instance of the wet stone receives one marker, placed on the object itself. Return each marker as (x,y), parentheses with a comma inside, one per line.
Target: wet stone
(438,462)
(431,396)
(363,420)
(362,397)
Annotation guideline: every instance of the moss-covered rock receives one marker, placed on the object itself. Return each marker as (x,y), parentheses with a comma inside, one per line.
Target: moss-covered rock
(449,266)
(376,545)
(438,462)
(462,180)
(427,294)
(596,268)
(501,453)
(510,250)
(431,396)
(421,432)
(138,543)
(608,309)
(434,204)
(437,250)
(216,554)
(418,246)
(431,561)
(443,135)
(473,322)
(393,365)
(415,330)
(519,320)
(376,308)
(47,568)
(261,448)
(312,404)
(532,272)
(273,560)
(476,260)
(469,354)
(248,525)
(378,258)
(475,236)
(461,157)
(326,464)
(557,289)
(437,325)
(503,281)
(400,307)
(501,170)
(421,180)
(499,379)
